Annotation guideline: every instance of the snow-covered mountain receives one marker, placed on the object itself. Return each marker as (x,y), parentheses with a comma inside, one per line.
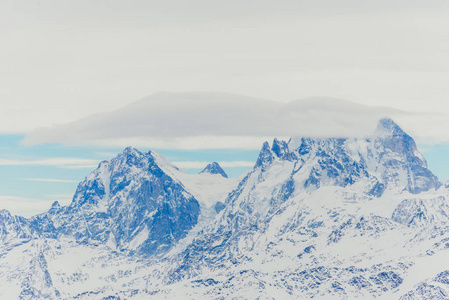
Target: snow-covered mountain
(303,204)
(129,203)
(134,203)
(314,218)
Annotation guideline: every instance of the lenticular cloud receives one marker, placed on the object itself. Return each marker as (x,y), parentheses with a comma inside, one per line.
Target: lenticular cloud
(190,120)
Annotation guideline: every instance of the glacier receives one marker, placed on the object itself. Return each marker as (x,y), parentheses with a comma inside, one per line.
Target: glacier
(322,218)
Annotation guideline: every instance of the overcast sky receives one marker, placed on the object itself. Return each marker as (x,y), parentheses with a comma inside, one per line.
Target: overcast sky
(62,60)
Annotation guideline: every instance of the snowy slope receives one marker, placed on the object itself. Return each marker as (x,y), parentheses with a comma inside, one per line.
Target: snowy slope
(322,210)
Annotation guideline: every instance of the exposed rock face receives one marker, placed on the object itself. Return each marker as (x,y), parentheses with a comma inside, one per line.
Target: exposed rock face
(130,203)
(277,202)
(14,227)
(214,168)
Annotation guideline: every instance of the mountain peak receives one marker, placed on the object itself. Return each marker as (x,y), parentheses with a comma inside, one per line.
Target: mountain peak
(130,151)
(129,155)
(214,168)
(279,147)
(56,205)
(146,209)
(265,156)
(4,213)
(390,159)
(387,127)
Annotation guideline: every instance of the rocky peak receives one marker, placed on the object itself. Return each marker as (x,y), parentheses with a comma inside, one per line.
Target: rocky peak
(396,152)
(129,156)
(56,205)
(214,168)
(131,151)
(5,214)
(13,227)
(393,138)
(387,127)
(266,156)
(280,148)
(131,203)
(388,159)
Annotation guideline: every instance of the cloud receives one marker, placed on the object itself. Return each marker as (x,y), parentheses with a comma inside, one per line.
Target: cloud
(203,164)
(201,120)
(69,163)
(50,180)
(105,154)
(390,51)
(186,143)
(63,196)
(76,167)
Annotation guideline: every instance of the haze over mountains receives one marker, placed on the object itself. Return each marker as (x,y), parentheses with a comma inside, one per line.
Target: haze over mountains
(314,217)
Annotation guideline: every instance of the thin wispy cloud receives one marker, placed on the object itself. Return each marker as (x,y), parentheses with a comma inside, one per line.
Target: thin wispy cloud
(12,198)
(24,206)
(76,167)
(50,180)
(63,196)
(105,154)
(71,163)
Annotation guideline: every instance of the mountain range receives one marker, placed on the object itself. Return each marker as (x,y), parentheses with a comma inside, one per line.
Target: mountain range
(325,218)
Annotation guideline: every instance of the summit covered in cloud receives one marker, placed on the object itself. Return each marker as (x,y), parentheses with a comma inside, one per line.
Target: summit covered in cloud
(196,120)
